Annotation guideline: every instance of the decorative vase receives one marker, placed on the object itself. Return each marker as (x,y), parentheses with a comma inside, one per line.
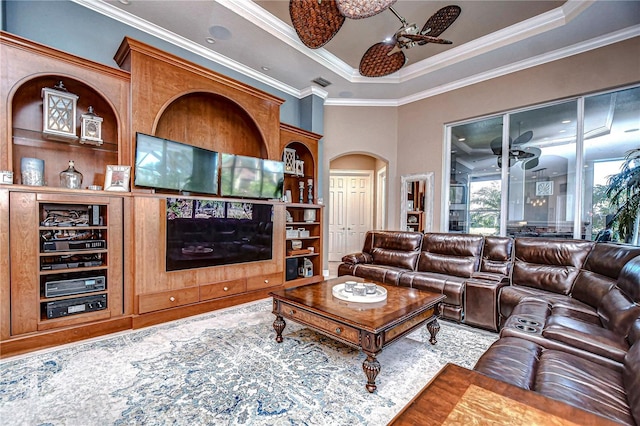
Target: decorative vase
(32,171)
(71,178)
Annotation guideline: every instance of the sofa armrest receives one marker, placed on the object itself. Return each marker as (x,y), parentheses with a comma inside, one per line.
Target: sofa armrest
(490,276)
(356,258)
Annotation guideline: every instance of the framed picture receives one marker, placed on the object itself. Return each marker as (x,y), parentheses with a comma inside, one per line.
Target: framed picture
(544,188)
(117,178)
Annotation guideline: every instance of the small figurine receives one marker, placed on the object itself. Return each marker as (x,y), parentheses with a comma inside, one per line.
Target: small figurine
(301,199)
(310,192)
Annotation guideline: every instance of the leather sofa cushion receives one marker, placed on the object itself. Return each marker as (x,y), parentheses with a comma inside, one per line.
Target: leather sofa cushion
(589,337)
(510,296)
(396,258)
(383,274)
(601,270)
(451,287)
(631,379)
(566,377)
(393,240)
(617,312)
(451,254)
(584,384)
(511,360)
(548,264)
(497,255)
(357,258)
(629,279)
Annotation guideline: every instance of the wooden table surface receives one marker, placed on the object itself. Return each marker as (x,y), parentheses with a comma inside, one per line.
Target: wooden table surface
(459,396)
(373,317)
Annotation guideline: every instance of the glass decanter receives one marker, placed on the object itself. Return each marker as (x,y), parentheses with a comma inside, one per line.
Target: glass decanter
(71,178)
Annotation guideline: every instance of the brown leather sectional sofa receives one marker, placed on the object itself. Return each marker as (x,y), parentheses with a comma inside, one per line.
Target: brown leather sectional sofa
(568,311)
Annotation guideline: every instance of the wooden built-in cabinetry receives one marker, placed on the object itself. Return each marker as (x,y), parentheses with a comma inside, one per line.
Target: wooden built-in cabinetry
(306,230)
(154,93)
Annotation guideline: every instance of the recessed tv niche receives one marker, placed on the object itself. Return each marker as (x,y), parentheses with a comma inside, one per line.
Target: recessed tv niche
(203,233)
(242,176)
(166,164)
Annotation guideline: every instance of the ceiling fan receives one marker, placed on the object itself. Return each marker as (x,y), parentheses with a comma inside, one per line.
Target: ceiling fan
(317,21)
(387,57)
(517,152)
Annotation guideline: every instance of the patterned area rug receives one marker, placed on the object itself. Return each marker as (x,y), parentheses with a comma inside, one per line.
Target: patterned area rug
(224,368)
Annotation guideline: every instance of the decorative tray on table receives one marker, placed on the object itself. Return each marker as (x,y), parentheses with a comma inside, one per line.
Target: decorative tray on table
(340,292)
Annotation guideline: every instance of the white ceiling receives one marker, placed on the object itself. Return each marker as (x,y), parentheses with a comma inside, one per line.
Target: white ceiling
(490,38)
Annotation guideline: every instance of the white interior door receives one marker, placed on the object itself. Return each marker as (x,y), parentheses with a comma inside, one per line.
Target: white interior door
(350,211)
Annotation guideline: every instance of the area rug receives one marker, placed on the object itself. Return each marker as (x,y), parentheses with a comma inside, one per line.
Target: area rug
(224,368)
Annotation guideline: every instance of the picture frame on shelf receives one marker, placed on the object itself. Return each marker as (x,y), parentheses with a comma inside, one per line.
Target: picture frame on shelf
(117,178)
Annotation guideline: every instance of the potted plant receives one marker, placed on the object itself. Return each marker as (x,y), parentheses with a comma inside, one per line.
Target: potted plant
(623,192)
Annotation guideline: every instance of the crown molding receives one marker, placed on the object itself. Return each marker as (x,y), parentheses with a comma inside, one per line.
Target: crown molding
(531,27)
(179,41)
(575,49)
(313,90)
(257,15)
(285,33)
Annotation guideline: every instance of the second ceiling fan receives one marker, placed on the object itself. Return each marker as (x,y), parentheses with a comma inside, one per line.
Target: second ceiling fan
(317,21)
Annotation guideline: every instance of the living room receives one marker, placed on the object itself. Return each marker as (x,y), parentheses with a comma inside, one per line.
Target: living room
(405,135)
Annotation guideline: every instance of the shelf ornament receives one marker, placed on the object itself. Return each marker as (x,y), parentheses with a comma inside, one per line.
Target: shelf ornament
(91,128)
(59,113)
(299,168)
(289,159)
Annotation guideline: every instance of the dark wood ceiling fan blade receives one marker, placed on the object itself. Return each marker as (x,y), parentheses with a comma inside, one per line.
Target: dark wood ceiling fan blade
(496,146)
(528,165)
(440,21)
(424,39)
(315,22)
(523,138)
(376,62)
(358,9)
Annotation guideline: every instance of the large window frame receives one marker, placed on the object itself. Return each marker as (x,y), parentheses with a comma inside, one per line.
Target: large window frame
(577,208)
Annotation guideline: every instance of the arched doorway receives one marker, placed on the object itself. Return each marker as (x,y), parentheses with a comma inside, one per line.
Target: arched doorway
(357,202)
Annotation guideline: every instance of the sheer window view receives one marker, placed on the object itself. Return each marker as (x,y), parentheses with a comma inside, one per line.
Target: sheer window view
(552,175)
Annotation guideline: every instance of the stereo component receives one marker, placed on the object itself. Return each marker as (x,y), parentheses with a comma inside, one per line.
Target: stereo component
(79,305)
(74,286)
(49,246)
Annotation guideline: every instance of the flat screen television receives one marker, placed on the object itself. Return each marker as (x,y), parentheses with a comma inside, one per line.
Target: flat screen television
(250,177)
(166,164)
(204,233)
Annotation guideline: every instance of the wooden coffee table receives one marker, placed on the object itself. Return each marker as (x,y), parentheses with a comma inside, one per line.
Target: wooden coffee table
(366,326)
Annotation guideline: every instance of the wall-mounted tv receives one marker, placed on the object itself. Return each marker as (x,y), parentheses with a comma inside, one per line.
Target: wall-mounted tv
(250,177)
(166,164)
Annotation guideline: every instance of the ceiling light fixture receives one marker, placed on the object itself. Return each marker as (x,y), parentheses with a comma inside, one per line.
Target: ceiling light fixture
(566,121)
(210,40)
(265,68)
(125,2)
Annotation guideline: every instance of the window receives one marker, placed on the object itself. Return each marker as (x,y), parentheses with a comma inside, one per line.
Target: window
(541,171)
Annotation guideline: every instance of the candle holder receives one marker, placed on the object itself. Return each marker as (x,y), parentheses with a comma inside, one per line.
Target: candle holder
(301,198)
(310,191)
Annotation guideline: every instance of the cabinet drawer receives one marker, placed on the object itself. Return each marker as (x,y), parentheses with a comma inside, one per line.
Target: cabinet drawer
(167,299)
(264,281)
(326,325)
(222,289)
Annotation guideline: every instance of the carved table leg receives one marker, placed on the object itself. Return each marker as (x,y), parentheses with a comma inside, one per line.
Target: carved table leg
(371,368)
(278,326)
(433,328)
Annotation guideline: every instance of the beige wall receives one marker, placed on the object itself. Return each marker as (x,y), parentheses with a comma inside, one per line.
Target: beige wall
(420,125)
(362,130)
